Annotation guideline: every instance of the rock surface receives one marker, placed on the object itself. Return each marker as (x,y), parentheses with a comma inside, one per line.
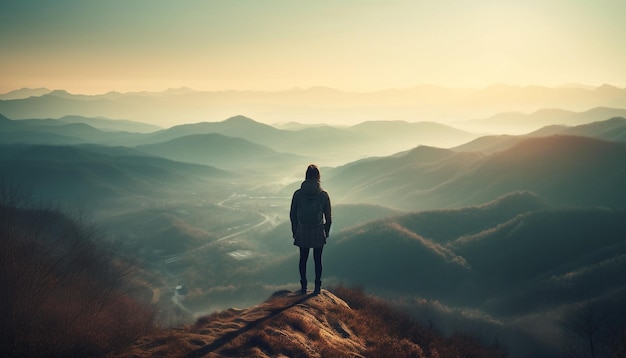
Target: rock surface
(286,324)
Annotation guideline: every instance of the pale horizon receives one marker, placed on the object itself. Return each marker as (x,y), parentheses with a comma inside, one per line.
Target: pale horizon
(297,88)
(353,46)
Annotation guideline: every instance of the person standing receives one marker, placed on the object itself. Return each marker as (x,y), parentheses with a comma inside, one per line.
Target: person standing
(311,218)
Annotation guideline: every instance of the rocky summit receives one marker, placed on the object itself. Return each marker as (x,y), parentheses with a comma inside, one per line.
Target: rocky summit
(286,324)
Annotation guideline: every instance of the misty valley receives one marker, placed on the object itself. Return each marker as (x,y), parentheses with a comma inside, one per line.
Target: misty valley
(517,238)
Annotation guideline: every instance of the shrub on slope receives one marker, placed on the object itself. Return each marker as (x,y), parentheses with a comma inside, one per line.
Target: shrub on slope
(63,294)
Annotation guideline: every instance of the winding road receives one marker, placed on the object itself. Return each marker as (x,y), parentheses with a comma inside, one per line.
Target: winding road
(172,279)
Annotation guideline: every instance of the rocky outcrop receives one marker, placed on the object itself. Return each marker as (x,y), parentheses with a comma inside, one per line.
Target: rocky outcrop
(286,324)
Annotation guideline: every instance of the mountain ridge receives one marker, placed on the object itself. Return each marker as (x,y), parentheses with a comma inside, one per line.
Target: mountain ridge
(522,123)
(611,129)
(421,102)
(237,126)
(558,168)
(23,93)
(98,175)
(220,151)
(67,130)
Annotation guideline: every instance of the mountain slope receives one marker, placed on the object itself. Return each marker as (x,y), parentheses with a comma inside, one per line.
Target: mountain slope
(388,180)
(525,261)
(444,226)
(613,129)
(238,126)
(493,143)
(97,175)
(331,144)
(221,151)
(424,133)
(24,93)
(412,251)
(66,293)
(545,252)
(521,123)
(514,260)
(69,130)
(116,125)
(293,325)
(303,325)
(391,258)
(567,170)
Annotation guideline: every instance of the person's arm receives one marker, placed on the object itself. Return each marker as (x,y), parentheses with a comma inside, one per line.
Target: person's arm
(293,215)
(327,216)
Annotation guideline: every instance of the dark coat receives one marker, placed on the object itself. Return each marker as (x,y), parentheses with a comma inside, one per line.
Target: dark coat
(310,236)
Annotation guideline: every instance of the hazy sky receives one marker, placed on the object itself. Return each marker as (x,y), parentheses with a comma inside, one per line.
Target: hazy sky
(88,46)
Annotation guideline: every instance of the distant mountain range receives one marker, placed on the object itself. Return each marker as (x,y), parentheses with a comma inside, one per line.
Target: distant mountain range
(331,145)
(238,126)
(96,177)
(66,130)
(507,230)
(613,129)
(222,152)
(112,125)
(24,93)
(566,170)
(522,123)
(240,142)
(315,105)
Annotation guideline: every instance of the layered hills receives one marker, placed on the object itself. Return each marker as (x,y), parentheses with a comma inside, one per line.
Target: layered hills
(222,152)
(313,105)
(328,143)
(331,144)
(612,129)
(557,168)
(71,130)
(485,254)
(514,263)
(96,176)
(505,233)
(522,123)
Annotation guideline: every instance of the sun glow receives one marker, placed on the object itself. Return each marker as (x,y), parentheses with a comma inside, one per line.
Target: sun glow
(99,47)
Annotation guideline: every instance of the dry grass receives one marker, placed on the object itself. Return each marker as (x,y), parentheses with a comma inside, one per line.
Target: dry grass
(370,327)
(292,325)
(393,333)
(63,294)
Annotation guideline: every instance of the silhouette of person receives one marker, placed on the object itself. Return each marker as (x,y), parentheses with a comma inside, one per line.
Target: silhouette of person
(309,234)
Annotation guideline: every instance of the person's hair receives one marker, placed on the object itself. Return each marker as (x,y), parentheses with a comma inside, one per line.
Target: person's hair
(312,172)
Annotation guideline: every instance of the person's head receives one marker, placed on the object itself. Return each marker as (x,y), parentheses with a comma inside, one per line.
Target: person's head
(312,172)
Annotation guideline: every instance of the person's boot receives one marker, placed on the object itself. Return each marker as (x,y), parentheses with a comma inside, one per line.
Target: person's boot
(318,287)
(303,287)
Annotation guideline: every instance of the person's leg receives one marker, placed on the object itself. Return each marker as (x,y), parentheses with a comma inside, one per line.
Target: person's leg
(304,256)
(317,257)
